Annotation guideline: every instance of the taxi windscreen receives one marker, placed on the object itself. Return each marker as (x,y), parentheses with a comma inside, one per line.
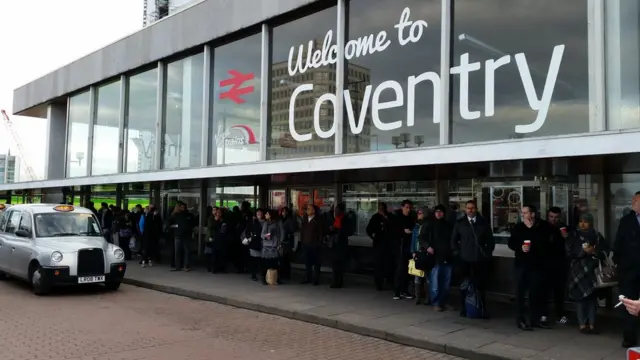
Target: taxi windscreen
(66,224)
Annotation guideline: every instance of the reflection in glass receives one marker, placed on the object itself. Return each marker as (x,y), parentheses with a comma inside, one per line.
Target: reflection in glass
(295,38)
(622,188)
(78,137)
(235,129)
(181,145)
(397,63)
(141,122)
(106,137)
(364,198)
(503,62)
(506,205)
(623,63)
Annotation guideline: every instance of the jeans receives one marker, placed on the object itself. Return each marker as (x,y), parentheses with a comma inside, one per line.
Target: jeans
(181,253)
(587,308)
(312,262)
(555,283)
(440,280)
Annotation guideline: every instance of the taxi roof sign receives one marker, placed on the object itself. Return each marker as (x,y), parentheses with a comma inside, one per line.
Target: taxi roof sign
(63,208)
(3,206)
(633,354)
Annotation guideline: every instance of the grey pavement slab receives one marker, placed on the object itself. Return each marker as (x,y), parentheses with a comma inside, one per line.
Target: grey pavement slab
(360,309)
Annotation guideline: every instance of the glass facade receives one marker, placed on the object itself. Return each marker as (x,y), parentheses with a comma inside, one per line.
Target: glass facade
(393,90)
(526,81)
(79,114)
(141,122)
(623,63)
(301,88)
(515,78)
(235,130)
(182,139)
(106,138)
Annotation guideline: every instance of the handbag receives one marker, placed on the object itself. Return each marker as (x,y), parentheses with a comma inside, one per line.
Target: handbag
(606,275)
(272,277)
(413,271)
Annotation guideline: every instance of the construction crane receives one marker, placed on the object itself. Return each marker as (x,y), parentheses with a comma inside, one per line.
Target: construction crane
(16,139)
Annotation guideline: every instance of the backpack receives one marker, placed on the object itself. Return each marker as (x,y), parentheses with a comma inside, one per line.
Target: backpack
(473,305)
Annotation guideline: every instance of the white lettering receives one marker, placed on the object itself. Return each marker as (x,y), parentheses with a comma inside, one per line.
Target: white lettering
(313,56)
(415,28)
(292,109)
(316,116)
(463,70)
(356,127)
(411,96)
(376,106)
(490,67)
(542,105)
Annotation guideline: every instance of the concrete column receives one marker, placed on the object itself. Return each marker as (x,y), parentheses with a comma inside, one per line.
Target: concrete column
(56,147)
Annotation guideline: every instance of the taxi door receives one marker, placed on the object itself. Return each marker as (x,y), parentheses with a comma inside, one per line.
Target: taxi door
(9,240)
(4,254)
(23,248)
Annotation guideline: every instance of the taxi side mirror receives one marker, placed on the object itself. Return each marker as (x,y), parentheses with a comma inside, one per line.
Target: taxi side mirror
(23,233)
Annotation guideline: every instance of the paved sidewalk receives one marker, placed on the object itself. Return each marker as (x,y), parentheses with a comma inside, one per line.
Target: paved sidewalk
(362,310)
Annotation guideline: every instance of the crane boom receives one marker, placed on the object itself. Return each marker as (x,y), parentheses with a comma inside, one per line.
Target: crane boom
(16,139)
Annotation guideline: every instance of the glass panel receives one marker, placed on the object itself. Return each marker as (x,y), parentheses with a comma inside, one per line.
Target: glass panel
(295,46)
(78,138)
(106,138)
(506,203)
(623,63)
(236,109)
(525,74)
(394,87)
(277,199)
(363,198)
(141,121)
(183,120)
(622,188)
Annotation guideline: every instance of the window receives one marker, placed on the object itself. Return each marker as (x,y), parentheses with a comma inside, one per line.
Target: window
(79,117)
(66,224)
(520,69)
(181,145)
(13,222)
(290,70)
(106,137)
(141,121)
(25,223)
(623,63)
(235,130)
(403,75)
(3,221)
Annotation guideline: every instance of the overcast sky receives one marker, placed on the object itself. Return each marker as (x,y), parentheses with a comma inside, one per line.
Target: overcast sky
(39,36)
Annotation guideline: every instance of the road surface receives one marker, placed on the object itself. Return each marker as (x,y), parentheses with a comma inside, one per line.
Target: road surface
(135,323)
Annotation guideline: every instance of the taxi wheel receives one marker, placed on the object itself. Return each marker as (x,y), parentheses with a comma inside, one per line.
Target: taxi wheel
(3,276)
(113,285)
(37,285)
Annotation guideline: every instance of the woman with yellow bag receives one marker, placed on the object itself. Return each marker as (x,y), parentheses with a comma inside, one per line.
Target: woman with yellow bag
(418,266)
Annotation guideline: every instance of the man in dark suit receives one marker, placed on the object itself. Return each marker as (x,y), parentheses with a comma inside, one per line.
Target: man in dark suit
(626,249)
(472,240)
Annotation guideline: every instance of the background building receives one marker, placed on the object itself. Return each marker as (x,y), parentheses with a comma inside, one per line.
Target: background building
(155,10)
(9,168)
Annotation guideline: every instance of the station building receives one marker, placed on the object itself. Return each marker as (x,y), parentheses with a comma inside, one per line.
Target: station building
(290,102)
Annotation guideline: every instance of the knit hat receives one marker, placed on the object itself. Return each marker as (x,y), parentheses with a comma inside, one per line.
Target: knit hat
(440,208)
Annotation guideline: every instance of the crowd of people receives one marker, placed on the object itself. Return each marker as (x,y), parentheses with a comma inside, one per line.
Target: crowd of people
(552,259)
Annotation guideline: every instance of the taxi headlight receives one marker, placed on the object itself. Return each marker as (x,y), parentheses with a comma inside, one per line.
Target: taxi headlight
(56,256)
(119,254)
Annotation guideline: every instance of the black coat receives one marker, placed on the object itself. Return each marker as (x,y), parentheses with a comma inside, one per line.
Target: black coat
(626,247)
(438,237)
(539,234)
(473,244)
(380,230)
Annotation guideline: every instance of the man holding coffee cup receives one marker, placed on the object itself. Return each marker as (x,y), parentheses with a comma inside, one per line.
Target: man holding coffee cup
(530,242)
